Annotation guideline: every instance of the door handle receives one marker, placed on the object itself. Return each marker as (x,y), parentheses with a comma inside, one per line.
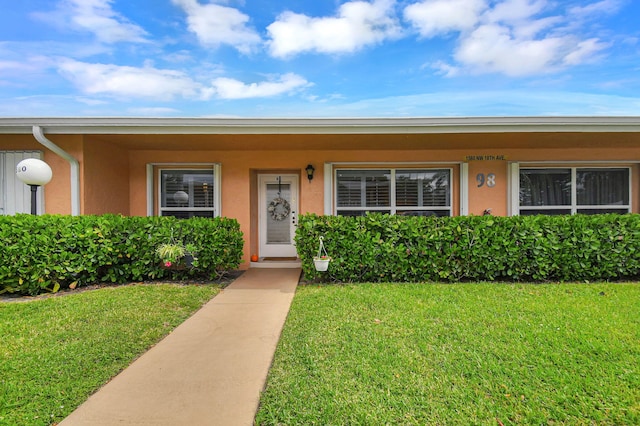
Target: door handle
(293,218)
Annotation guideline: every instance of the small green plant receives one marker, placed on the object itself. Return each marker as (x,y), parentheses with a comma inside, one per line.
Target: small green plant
(174,254)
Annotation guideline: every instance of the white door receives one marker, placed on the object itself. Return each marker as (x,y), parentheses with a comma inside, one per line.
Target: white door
(15,196)
(278,214)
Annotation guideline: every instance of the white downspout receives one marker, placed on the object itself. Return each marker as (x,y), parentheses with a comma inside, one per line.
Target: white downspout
(75,168)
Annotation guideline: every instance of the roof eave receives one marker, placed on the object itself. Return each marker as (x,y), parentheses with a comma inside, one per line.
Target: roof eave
(123,125)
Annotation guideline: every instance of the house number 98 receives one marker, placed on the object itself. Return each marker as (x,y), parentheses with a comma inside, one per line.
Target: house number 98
(489,180)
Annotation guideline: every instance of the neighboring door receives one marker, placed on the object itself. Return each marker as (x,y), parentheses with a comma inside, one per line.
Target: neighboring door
(15,196)
(278,214)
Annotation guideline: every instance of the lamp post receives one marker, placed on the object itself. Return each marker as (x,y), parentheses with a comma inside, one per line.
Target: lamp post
(34,173)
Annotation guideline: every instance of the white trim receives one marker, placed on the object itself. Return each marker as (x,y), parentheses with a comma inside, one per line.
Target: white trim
(513,189)
(154,197)
(183,164)
(372,125)
(149,189)
(217,190)
(464,189)
(579,163)
(3,189)
(328,189)
(394,163)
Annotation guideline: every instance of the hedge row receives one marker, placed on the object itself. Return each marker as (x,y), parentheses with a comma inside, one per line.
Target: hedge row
(378,248)
(45,253)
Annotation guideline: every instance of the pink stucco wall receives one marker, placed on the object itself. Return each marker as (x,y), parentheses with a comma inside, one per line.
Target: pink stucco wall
(114,167)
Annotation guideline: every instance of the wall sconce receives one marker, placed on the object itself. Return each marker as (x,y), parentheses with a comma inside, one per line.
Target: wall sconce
(310,171)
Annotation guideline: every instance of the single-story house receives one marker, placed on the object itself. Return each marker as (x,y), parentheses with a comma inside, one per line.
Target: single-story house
(264,172)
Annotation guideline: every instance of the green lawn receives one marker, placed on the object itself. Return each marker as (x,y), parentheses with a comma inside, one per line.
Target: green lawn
(458,354)
(56,351)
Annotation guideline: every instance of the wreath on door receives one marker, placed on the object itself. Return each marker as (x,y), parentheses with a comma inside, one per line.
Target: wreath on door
(279,209)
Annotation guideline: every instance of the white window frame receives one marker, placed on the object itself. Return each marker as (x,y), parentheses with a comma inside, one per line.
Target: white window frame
(392,208)
(514,193)
(154,199)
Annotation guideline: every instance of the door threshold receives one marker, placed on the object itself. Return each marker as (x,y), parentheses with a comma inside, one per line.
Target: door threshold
(271,262)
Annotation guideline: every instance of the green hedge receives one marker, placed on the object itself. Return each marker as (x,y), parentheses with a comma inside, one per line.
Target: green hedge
(380,248)
(45,253)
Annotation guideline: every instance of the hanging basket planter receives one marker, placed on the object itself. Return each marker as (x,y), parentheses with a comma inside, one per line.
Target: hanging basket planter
(321,264)
(321,261)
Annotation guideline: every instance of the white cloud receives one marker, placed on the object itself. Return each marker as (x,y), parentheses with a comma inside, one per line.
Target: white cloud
(29,71)
(510,11)
(445,69)
(228,88)
(585,51)
(21,66)
(511,37)
(435,17)
(529,29)
(477,103)
(215,25)
(153,111)
(491,48)
(596,9)
(356,25)
(151,83)
(128,82)
(94,16)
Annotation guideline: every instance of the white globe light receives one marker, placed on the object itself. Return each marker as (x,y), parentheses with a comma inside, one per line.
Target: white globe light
(34,172)
(181,197)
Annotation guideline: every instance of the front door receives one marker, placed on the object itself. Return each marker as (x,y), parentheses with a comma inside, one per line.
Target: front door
(278,214)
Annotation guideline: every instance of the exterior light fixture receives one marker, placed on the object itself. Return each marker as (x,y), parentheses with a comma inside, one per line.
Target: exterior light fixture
(34,173)
(310,171)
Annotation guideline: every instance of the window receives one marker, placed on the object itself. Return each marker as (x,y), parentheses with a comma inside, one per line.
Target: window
(554,191)
(187,193)
(416,192)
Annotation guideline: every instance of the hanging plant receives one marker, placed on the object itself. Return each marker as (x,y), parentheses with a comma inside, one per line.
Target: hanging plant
(175,255)
(279,209)
(322,259)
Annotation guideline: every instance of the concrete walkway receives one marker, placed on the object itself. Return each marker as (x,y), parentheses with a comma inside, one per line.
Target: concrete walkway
(210,370)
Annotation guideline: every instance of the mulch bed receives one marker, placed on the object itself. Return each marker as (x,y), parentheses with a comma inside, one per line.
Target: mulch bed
(227,279)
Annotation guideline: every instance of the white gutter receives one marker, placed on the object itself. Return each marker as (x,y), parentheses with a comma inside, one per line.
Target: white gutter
(75,168)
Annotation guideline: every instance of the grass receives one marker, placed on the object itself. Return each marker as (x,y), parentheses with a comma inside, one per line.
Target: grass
(55,352)
(458,354)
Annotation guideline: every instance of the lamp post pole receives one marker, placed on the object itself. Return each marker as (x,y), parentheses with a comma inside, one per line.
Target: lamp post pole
(34,199)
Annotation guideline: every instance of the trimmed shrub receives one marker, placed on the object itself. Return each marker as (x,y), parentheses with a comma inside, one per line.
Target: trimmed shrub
(46,253)
(382,248)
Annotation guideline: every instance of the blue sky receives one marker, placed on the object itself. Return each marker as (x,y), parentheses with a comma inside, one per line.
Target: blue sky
(377,58)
